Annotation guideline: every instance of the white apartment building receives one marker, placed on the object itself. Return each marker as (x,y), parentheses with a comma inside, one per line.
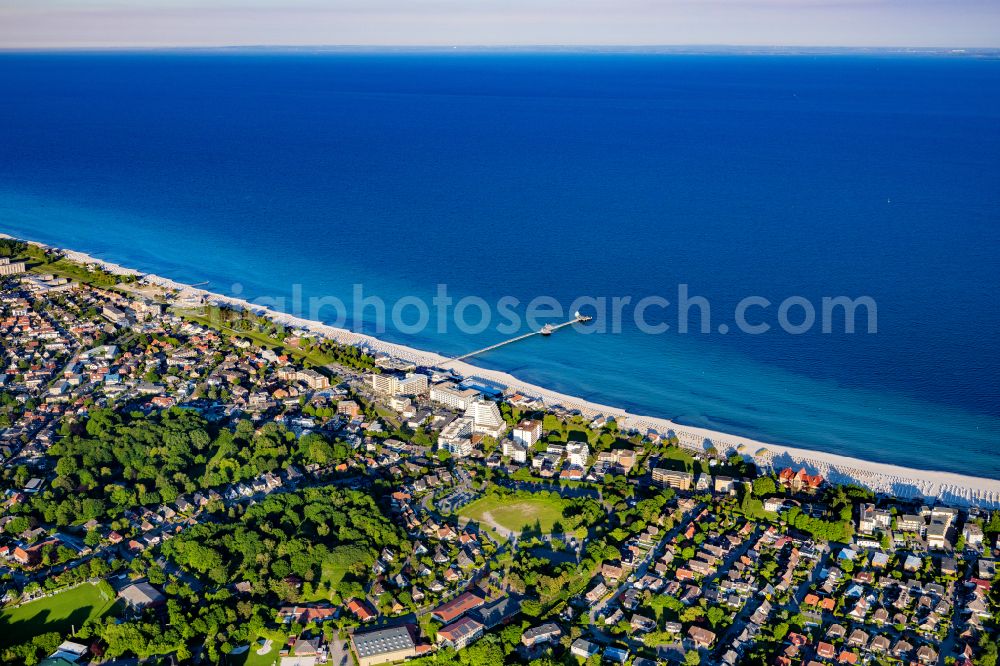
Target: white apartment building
(668,477)
(450,395)
(973,534)
(410,384)
(486,418)
(401,404)
(577,453)
(8,268)
(455,438)
(937,535)
(725,484)
(312,378)
(528,432)
(515,451)
(384,384)
(871,519)
(114,315)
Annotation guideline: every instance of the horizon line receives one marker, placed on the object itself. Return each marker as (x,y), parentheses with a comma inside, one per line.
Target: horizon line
(709,48)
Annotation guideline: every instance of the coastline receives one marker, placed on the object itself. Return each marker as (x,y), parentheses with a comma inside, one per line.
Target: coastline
(947,487)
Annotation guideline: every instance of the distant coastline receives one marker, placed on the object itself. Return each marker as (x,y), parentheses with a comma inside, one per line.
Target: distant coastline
(903,482)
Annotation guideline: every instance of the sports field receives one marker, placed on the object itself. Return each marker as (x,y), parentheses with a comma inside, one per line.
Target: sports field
(515,514)
(59,613)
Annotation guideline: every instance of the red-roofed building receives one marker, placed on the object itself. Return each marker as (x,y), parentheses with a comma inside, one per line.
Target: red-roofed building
(452,610)
(21,555)
(459,634)
(32,556)
(305,614)
(826,650)
(361,610)
(800,480)
(981,583)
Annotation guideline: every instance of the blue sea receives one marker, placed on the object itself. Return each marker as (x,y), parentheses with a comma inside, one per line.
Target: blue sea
(566,175)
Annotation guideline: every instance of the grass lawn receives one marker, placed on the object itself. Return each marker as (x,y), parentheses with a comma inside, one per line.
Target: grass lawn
(56,613)
(678,459)
(278,638)
(74,271)
(515,514)
(325,588)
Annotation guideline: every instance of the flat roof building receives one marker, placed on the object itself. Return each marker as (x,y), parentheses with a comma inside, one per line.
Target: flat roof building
(10,268)
(456,437)
(937,535)
(388,384)
(672,478)
(383,645)
(527,432)
(450,395)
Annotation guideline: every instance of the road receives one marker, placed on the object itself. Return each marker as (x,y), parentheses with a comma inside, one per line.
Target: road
(948,645)
(803,589)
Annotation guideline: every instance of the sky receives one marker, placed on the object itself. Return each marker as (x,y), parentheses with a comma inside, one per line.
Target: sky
(164,23)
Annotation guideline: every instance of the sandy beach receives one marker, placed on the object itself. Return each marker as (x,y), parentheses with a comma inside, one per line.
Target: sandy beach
(954,489)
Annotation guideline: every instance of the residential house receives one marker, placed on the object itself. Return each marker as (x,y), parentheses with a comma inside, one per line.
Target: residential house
(583,649)
(702,638)
(545,633)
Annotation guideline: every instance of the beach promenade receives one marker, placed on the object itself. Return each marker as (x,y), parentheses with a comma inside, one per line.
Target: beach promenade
(954,489)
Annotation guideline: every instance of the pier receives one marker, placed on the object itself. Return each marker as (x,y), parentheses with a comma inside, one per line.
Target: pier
(548,329)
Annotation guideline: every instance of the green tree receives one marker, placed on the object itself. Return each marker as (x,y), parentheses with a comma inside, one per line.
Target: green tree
(989,655)
(764,485)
